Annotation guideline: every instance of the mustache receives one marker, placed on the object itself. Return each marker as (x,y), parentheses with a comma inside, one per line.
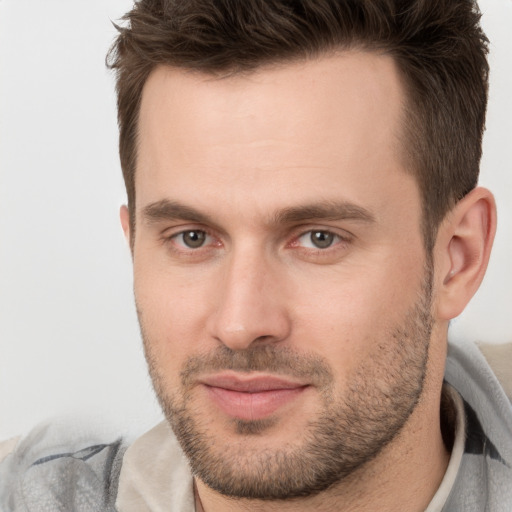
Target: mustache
(264,358)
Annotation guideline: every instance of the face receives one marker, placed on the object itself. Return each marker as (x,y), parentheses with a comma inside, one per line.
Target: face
(280,277)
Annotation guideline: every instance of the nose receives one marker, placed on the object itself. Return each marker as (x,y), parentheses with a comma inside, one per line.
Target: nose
(251,306)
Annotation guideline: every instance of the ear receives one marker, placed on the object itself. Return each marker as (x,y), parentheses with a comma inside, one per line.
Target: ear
(463,249)
(124,215)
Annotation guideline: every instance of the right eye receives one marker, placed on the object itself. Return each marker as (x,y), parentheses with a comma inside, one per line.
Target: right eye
(191,239)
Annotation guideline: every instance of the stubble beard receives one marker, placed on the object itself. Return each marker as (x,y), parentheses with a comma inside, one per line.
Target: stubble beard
(351,430)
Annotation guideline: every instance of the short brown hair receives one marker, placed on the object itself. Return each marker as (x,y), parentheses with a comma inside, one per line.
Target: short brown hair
(438,46)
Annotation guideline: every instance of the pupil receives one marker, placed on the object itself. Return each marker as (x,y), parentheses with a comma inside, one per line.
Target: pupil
(194,239)
(322,239)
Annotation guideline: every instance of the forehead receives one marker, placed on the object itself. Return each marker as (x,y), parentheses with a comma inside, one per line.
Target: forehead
(298,126)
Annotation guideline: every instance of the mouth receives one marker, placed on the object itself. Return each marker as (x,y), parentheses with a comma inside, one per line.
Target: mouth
(251,397)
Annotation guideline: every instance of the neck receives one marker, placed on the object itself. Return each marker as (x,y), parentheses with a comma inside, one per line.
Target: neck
(404,476)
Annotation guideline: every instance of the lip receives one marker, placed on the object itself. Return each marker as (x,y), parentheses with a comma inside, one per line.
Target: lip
(251,397)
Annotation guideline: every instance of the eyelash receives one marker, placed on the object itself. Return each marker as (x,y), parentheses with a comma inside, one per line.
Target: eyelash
(336,239)
(181,248)
(339,242)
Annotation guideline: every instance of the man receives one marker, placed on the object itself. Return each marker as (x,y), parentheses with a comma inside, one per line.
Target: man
(304,219)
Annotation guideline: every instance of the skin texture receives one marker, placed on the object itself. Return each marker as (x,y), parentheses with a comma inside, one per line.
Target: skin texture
(250,167)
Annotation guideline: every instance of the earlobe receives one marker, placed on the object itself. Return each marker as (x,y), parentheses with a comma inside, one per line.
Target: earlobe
(464,245)
(124,215)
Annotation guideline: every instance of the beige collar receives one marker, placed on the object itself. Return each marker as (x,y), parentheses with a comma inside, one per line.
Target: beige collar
(155,476)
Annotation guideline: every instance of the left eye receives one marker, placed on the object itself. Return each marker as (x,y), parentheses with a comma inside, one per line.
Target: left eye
(193,239)
(318,239)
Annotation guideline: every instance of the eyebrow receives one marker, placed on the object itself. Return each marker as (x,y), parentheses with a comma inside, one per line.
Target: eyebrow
(166,209)
(173,210)
(326,210)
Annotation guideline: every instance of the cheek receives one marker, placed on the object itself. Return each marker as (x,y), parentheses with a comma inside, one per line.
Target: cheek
(346,317)
(172,313)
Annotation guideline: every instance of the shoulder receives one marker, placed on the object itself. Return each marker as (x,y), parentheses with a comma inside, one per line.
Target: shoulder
(485,475)
(45,471)
(7,447)
(499,357)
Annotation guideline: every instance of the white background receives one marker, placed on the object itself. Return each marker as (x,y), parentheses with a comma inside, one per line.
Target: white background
(69,340)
